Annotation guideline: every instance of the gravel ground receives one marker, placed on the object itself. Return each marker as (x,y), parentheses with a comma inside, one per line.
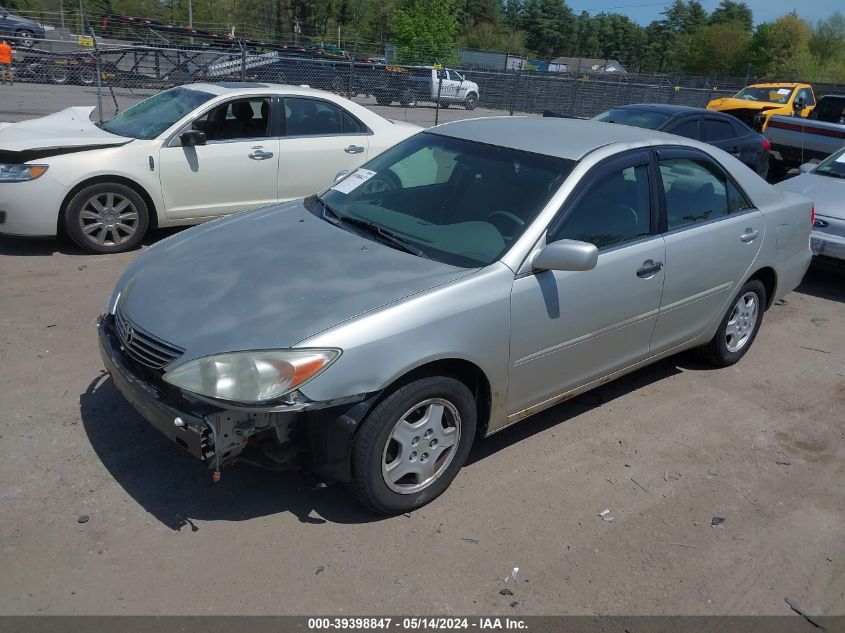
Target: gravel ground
(666,449)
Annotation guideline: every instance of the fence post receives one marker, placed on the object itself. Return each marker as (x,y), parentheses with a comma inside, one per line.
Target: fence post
(88,28)
(515,88)
(243,60)
(439,88)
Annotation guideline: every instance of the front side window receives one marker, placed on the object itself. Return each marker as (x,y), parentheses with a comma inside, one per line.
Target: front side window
(151,117)
(696,191)
(615,210)
(807,96)
(234,120)
(452,200)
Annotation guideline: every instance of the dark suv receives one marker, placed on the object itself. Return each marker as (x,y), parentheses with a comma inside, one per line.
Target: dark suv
(21,30)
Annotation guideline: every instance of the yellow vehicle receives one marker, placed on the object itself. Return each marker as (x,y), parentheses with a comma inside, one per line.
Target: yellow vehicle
(754,105)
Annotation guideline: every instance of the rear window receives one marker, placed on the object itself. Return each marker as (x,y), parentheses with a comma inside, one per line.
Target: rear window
(637,118)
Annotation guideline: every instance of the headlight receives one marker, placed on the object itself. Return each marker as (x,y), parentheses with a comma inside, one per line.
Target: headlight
(251,377)
(21,173)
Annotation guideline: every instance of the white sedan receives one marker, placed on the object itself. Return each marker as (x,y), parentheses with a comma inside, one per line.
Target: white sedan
(183,156)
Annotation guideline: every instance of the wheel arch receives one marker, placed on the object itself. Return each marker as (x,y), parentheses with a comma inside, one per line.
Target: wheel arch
(140,190)
(768,277)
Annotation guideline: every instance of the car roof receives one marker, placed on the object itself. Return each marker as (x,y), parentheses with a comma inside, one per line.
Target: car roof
(666,108)
(249,87)
(782,84)
(564,138)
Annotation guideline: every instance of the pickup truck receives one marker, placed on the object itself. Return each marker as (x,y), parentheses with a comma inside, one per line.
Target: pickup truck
(410,84)
(796,141)
(755,105)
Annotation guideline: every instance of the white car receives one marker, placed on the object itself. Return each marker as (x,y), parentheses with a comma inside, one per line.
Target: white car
(183,156)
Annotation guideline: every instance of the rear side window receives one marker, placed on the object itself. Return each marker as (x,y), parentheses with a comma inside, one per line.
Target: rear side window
(615,210)
(313,117)
(688,128)
(696,191)
(715,130)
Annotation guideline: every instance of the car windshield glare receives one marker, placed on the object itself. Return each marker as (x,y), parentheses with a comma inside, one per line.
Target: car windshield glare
(456,201)
(769,95)
(833,165)
(636,118)
(151,117)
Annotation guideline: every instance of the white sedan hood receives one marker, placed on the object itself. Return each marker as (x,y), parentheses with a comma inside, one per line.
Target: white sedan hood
(67,128)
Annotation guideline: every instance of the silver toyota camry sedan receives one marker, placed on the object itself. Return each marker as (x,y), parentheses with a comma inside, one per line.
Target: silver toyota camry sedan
(474,274)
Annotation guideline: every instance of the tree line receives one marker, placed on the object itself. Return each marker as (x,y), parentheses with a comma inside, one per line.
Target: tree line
(686,39)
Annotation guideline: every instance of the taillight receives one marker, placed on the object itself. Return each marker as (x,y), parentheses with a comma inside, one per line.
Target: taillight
(767,144)
(813,216)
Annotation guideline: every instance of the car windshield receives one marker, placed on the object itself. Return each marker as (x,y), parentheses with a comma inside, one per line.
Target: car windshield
(637,118)
(833,165)
(769,95)
(451,200)
(151,117)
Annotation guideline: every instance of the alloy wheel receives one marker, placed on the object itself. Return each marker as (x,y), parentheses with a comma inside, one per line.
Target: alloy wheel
(108,219)
(742,321)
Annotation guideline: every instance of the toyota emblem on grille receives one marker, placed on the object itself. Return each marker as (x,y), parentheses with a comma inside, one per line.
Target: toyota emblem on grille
(127,333)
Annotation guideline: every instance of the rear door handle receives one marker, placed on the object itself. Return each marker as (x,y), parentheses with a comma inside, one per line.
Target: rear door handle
(261,155)
(733,150)
(354,149)
(750,235)
(649,269)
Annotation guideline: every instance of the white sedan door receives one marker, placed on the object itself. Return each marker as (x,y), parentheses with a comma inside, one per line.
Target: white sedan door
(320,139)
(234,171)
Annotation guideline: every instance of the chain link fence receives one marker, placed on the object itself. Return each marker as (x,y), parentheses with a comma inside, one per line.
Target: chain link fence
(114,67)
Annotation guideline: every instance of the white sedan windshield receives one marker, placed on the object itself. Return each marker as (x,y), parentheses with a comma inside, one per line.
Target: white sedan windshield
(151,117)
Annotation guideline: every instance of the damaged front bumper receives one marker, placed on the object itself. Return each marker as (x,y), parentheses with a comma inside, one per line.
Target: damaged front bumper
(317,435)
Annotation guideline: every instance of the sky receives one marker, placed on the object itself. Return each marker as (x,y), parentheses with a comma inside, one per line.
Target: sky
(644,11)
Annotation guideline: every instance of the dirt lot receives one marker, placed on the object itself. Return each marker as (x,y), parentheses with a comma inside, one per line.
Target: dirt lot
(668,448)
(761,444)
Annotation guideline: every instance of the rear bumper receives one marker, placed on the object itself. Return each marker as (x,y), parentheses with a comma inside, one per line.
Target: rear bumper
(827,245)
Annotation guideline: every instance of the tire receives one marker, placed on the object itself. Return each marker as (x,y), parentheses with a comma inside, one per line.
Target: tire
(374,446)
(26,39)
(408,99)
(87,76)
(739,326)
(58,74)
(119,206)
(338,85)
(383,99)
(471,101)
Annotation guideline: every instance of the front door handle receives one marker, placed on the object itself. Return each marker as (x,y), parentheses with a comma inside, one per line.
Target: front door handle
(260,154)
(750,235)
(733,150)
(649,269)
(354,149)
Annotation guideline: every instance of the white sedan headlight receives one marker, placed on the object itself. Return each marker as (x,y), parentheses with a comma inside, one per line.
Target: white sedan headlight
(20,173)
(251,377)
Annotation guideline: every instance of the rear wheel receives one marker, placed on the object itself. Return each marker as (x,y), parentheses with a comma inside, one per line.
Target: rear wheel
(408,99)
(57,74)
(412,444)
(383,99)
(739,326)
(107,217)
(87,76)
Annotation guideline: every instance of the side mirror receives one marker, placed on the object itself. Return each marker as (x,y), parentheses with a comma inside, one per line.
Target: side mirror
(343,173)
(798,105)
(806,168)
(192,138)
(566,255)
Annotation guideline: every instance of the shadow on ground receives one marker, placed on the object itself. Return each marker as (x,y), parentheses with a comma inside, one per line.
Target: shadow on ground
(46,247)
(825,281)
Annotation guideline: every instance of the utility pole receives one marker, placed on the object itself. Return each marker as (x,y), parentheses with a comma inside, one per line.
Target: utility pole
(190,14)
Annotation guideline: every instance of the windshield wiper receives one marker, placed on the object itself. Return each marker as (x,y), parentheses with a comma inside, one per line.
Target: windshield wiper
(832,174)
(386,235)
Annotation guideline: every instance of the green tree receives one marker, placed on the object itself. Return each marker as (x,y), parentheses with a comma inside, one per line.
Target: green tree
(776,45)
(719,49)
(549,27)
(424,32)
(730,11)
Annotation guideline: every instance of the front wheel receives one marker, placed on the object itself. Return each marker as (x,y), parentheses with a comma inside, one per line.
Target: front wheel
(26,39)
(412,444)
(739,326)
(107,217)
(471,101)
(408,99)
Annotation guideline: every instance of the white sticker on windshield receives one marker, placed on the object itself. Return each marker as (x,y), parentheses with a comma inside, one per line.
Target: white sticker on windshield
(354,180)
(783,91)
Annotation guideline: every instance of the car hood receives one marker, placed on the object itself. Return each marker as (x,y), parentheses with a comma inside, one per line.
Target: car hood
(68,128)
(827,193)
(266,279)
(729,103)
